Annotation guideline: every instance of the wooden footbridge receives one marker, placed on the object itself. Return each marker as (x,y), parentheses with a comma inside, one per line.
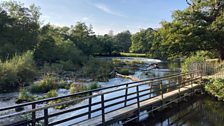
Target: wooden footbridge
(104,106)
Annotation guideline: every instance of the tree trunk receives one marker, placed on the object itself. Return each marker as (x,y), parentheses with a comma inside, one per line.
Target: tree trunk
(222,54)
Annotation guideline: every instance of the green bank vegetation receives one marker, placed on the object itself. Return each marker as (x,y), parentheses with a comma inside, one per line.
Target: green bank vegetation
(215,87)
(29,50)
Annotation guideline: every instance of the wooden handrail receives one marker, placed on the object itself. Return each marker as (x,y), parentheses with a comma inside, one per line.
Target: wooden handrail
(90,96)
(86,92)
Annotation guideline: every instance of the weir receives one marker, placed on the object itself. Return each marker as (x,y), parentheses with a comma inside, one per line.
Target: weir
(126,104)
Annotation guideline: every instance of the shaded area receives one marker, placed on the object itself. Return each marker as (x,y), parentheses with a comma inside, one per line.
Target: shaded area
(200,110)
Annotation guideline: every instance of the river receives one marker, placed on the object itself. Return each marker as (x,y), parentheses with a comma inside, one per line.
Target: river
(202,110)
(163,70)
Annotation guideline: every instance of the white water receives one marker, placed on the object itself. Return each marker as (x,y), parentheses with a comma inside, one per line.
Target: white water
(114,81)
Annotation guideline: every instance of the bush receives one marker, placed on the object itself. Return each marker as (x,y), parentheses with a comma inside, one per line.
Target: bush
(24,96)
(198,58)
(137,62)
(51,93)
(216,88)
(93,86)
(16,72)
(98,70)
(74,88)
(68,65)
(116,60)
(124,71)
(51,68)
(46,84)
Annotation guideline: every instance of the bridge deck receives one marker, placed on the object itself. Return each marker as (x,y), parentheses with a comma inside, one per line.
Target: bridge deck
(130,110)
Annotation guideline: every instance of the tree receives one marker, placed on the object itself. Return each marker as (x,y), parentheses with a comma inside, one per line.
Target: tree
(198,27)
(123,41)
(55,46)
(106,44)
(19,28)
(142,41)
(84,38)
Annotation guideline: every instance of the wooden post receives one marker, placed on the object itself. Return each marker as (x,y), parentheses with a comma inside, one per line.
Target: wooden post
(200,73)
(150,89)
(179,84)
(126,95)
(90,104)
(168,86)
(138,101)
(191,81)
(34,115)
(45,117)
(161,89)
(103,111)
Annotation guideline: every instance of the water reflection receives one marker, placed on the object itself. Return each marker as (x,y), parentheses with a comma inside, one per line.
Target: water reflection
(198,111)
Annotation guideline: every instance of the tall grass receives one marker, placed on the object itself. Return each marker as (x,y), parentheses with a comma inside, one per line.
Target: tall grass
(46,84)
(17,72)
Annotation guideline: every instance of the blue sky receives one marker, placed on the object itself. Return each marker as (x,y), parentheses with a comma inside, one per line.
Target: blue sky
(105,15)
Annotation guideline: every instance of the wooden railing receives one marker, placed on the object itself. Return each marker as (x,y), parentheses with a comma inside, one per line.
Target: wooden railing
(209,70)
(152,88)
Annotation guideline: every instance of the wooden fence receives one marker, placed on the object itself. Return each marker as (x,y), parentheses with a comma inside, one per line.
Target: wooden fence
(209,70)
(155,87)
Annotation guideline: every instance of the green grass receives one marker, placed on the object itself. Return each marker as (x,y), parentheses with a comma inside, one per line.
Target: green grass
(133,54)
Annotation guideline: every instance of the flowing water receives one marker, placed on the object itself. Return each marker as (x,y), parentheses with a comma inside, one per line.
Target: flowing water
(202,111)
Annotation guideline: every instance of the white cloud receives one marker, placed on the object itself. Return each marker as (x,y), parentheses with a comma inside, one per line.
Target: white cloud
(107,10)
(85,18)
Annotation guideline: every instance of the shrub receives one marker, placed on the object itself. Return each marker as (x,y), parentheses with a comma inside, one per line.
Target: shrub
(74,88)
(51,68)
(198,58)
(93,86)
(116,60)
(46,84)
(137,62)
(98,70)
(216,88)
(51,93)
(24,96)
(124,71)
(16,72)
(68,65)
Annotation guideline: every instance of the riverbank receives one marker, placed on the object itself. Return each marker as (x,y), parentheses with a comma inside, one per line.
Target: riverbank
(58,83)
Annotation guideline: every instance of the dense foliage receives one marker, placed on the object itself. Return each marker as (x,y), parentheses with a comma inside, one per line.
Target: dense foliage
(17,72)
(198,27)
(198,58)
(216,88)
(142,41)
(27,45)
(19,28)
